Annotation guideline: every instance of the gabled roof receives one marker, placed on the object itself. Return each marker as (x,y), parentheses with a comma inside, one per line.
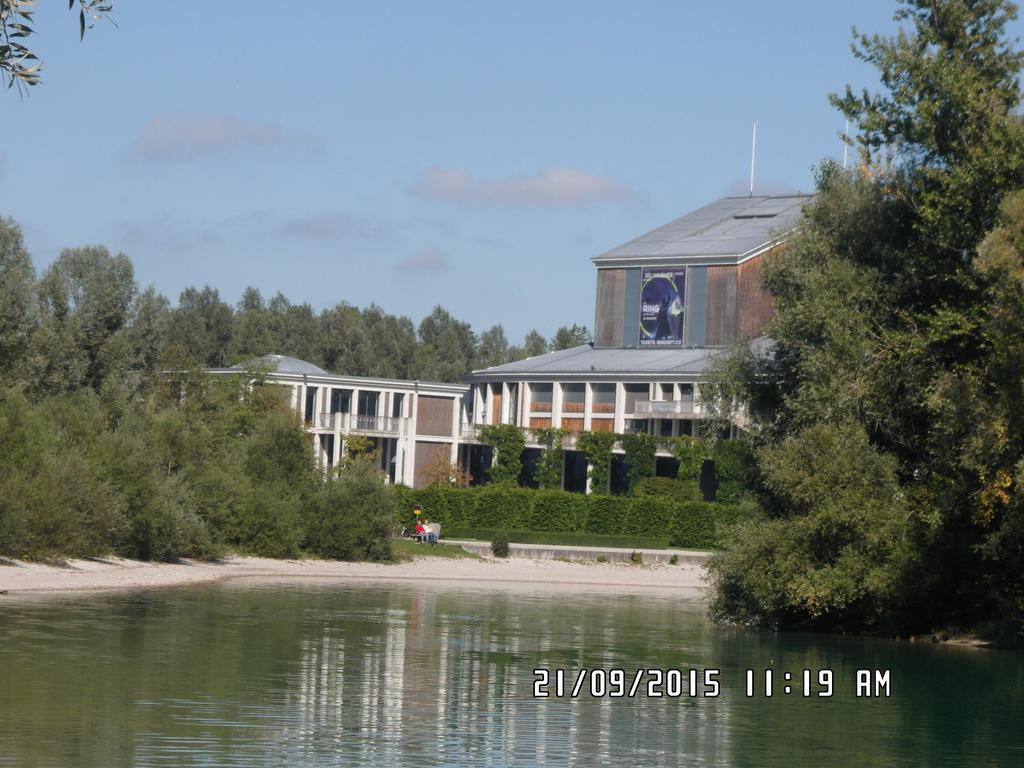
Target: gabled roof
(727,230)
(282,364)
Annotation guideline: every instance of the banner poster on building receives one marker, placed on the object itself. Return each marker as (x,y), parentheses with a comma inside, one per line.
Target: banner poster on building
(661,307)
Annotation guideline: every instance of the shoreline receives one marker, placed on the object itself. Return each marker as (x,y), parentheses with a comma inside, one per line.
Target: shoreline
(23,579)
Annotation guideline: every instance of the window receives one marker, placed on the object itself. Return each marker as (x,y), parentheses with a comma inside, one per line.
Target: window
(397,403)
(368,402)
(540,397)
(341,401)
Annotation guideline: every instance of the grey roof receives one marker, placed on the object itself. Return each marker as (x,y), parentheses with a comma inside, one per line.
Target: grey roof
(585,360)
(282,364)
(732,226)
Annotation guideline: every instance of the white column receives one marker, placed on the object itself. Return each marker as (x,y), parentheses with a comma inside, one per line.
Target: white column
(588,405)
(337,437)
(453,454)
(556,404)
(526,397)
(504,403)
(620,408)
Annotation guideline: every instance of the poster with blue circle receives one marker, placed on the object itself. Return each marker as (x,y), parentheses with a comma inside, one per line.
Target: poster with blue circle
(661,307)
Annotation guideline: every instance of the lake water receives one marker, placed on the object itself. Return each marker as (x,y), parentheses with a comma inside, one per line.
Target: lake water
(300,674)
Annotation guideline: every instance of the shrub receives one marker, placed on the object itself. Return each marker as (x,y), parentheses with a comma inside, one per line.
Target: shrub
(601,559)
(636,558)
(674,560)
(558,511)
(351,517)
(608,514)
(501,506)
(668,488)
(500,545)
(652,516)
(694,526)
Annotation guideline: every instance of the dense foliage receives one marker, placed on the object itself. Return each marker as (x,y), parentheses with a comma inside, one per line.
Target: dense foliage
(682,521)
(101,454)
(886,418)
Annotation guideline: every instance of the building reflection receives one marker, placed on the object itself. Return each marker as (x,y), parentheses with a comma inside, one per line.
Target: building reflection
(419,682)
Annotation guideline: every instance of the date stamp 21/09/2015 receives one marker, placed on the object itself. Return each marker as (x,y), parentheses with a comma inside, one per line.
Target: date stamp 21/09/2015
(674,683)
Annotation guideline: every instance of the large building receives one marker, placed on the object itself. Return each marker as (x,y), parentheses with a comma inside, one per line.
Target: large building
(411,424)
(668,303)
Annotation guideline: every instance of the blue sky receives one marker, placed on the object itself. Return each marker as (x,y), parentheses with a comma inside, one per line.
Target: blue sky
(468,154)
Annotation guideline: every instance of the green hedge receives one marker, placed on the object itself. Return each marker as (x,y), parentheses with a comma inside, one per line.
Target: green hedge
(561,538)
(491,508)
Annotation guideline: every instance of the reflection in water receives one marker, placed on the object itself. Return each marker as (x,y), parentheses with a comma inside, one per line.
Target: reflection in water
(424,676)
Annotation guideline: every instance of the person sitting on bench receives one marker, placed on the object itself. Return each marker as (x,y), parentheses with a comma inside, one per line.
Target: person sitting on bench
(431,533)
(421,532)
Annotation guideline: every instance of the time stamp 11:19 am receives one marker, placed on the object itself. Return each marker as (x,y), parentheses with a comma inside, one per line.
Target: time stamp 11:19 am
(704,683)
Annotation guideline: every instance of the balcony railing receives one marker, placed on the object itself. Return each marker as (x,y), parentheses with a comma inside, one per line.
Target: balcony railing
(666,408)
(350,422)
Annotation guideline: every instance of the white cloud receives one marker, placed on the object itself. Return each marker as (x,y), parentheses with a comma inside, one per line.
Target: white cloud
(182,139)
(332,226)
(551,186)
(428,259)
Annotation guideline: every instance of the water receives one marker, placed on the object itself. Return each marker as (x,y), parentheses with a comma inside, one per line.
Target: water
(427,675)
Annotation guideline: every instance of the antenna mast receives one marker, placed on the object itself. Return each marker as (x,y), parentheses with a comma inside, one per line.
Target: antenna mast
(753,156)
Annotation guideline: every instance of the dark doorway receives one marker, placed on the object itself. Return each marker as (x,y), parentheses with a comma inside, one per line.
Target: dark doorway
(708,480)
(480,459)
(619,480)
(575,477)
(666,466)
(528,475)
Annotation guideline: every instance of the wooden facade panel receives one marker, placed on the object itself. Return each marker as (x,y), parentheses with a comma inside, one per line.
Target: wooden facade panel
(720,327)
(539,423)
(495,408)
(434,416)
(428,455)
(754,308)
(572,425)
(611,285)
(602,425)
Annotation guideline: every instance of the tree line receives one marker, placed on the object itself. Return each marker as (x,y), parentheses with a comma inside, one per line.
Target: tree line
(85,320)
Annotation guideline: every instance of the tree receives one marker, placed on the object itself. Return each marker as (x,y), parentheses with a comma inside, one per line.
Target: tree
(86,297)
(888,353)
(201,325)
(552,459)
(447,347)
(534,344)
(508,443)
(566,337)
(18,314)
(19,65)
(493,348)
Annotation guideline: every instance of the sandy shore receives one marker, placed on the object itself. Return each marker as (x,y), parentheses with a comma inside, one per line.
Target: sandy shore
(116,574)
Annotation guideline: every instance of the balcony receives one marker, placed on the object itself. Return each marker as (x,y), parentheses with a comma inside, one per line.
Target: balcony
(667,409)
(350,422)
(470,432)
